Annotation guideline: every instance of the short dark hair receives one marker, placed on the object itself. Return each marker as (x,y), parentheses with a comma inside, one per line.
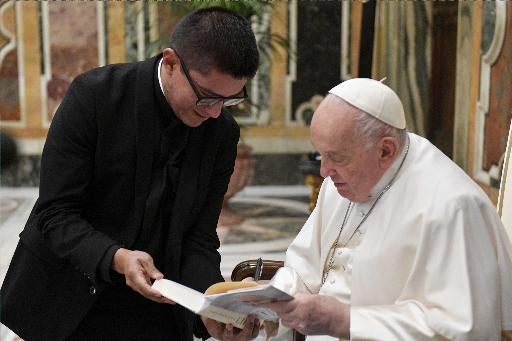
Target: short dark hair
(218,38)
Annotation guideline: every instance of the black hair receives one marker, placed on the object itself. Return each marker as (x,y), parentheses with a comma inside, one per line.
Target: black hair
(217,38)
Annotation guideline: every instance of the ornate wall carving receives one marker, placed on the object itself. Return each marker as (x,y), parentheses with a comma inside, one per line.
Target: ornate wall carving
(10,113)
(494,108)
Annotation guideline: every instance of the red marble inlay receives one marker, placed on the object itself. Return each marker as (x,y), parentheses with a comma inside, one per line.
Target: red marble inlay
(500,101)
(73,45)
(9,90)
(9,86)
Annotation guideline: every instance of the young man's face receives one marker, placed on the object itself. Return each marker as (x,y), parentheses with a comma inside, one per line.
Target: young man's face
(347,159)
(180,94)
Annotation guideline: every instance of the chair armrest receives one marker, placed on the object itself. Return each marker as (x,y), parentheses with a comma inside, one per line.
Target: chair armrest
(269,268)
(248,268)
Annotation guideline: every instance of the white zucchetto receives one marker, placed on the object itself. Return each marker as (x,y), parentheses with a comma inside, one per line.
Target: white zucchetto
(374,98)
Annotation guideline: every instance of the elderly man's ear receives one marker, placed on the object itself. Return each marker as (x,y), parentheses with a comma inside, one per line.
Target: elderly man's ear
(388,148)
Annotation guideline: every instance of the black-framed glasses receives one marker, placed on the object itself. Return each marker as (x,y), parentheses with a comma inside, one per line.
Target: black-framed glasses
(211,100)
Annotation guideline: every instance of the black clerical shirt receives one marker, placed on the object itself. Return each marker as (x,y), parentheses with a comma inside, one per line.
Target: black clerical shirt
(118,302)
(173,137)
(164,182)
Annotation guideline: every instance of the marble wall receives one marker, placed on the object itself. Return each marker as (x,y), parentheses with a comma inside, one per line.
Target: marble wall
(317,45)
(499,113)
(44,45)
(484,106)
(401,54)
(464,80)
(72,39)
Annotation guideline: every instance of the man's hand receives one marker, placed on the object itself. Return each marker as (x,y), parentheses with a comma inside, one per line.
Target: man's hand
(138,269)
(314,315)
(226,332)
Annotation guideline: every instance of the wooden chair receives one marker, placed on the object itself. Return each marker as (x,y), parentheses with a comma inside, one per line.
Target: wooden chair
(269,267)
(505,200)
(248,269)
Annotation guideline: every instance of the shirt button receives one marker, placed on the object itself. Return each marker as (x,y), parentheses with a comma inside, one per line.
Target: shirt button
(332,281)
(362,213)
(92,290)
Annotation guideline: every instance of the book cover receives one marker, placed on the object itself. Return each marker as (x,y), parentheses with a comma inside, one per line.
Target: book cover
(232,306)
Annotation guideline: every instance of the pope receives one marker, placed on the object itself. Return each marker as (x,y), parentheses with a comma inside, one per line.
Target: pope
(402,244)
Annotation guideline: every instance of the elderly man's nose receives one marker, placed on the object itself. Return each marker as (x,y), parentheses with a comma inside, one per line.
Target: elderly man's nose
(325,169)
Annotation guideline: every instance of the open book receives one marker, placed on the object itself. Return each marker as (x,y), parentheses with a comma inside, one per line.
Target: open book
(232,306)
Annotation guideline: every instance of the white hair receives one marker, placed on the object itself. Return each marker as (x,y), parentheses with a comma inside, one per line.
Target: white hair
(373,129)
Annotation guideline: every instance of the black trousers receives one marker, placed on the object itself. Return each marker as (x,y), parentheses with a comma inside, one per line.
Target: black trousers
(122,314)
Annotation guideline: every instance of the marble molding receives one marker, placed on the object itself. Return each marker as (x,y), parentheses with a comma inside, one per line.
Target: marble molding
(493,108)
(9,85)
(497,119)
(463,83)
(9,73)
(316,64)
(401,53)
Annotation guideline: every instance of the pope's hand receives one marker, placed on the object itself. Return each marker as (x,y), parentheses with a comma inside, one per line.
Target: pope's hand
(251,279)
(314,315)
(226,332)
(138,269)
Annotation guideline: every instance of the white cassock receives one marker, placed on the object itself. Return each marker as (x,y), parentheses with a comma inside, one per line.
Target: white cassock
(431,261)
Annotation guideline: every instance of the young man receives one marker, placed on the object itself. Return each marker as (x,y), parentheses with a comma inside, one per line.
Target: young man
(402,244)
(133,173)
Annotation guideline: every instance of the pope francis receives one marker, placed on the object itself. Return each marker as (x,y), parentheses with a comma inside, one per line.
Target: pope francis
(402,244)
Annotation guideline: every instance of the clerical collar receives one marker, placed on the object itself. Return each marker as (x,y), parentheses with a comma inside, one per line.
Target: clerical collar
(168,116)
(391,172)
(159,77)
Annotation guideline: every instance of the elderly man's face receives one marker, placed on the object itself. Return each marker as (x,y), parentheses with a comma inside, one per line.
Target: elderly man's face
(347,159)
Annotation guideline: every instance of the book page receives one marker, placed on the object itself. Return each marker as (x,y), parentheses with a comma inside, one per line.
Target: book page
(245,300)
(261,293)
(184,296)
(195,301)
(230,307)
